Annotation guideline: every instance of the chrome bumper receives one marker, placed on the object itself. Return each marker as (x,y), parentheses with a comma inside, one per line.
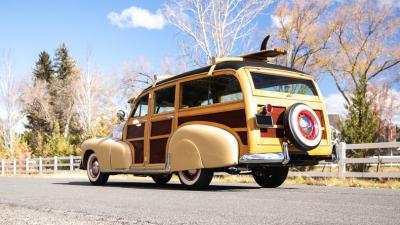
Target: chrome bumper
(275,157)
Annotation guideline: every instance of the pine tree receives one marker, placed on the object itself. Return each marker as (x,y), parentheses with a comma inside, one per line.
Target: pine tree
(64,65)
(37,122)
(43,68)
(66,70)
(361,123)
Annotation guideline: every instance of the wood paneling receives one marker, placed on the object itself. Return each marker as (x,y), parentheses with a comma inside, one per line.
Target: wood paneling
(135,131)
(157,150)
(272,133)
(232,119)
(161,127)
(139,151)
(243,137)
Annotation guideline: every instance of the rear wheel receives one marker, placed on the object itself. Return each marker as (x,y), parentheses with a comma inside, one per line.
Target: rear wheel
(197,178)
(270,177)
(95,176)
(161,178)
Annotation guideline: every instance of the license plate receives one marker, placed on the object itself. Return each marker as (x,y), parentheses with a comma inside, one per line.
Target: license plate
(264,120)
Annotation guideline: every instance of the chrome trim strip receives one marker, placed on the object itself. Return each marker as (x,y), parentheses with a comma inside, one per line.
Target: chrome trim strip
(137,171)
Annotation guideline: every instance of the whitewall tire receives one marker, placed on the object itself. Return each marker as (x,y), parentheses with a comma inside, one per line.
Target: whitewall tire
(196,178)
(94,173)
(302,126)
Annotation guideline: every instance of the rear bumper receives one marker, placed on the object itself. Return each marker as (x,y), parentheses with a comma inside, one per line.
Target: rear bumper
(290,157)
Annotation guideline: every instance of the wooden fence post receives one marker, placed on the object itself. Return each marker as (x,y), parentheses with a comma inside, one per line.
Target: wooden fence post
(71,163)
(15,167)
(341,150)
(3,167)
(40,165)
(55,164)
(27,166)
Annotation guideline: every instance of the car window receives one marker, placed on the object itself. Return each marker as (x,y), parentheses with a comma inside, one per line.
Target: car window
(210,90)
(141,107)
(225,89)
(195,93)
(283,84)
(164,100)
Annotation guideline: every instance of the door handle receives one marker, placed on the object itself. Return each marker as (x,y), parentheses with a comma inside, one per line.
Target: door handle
(170,117)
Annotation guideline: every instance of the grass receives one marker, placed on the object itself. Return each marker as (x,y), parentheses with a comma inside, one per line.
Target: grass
(248,179)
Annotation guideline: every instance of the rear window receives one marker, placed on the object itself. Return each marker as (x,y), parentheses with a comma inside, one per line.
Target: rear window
(282,84)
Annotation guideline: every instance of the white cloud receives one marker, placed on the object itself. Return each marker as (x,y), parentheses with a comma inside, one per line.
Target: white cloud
(335,104)
(137,17)
(276,21)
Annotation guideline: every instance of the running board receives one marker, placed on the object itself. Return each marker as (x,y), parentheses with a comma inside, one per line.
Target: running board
(274,157)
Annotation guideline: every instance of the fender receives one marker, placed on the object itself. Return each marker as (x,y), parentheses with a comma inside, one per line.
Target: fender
(112,153)
(197,146)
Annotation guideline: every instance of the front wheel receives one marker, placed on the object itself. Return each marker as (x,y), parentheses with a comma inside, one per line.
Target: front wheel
(96,177)
(197,178)
(270,177)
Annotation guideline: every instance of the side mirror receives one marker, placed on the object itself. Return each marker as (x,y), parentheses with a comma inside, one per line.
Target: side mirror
(121,115)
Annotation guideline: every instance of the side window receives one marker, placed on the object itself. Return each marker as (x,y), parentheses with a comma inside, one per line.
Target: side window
(142,107)
(164,100)
(225,89)
(195,93)
(210,90)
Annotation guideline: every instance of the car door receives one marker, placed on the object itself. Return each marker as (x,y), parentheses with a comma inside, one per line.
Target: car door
(162,123)
(136,130)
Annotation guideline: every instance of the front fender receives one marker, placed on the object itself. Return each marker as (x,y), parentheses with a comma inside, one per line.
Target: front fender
(197,146)
(112,153)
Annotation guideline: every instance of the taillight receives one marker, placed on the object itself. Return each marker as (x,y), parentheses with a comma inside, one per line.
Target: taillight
(268,108)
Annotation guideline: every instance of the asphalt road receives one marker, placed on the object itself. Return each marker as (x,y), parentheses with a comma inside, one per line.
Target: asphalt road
(74,201)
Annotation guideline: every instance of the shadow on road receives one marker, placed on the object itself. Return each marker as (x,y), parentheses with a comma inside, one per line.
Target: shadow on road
(172,186)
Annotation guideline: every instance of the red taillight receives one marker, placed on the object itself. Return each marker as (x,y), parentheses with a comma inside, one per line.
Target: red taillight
(268,108)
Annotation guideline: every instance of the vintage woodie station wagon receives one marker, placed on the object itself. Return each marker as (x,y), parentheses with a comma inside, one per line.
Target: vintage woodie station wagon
(240,115)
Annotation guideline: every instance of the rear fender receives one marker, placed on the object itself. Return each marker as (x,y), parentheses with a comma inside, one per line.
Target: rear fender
(197,146)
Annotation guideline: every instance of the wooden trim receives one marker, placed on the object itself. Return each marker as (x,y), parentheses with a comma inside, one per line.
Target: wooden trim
(138,151)
(134,131)
(157,150)
(232,119)
(162,127)
(160,136)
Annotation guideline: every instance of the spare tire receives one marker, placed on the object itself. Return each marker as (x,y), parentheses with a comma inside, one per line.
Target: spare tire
(302,127)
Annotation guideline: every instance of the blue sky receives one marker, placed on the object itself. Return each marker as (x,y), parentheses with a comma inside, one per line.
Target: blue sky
(28,27)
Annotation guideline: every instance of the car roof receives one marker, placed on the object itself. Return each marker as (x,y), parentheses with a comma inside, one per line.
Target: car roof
(235,65)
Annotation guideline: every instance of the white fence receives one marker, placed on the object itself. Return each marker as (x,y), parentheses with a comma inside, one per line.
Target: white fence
(54,164)
(39,165)
(378,160)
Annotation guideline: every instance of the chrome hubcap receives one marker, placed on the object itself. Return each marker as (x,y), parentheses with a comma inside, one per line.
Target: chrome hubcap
(94,169)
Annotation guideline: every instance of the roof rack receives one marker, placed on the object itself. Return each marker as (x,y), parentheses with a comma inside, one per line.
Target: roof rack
(263,55)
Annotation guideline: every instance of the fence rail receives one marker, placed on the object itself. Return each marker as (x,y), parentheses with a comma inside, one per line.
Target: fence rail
(39,165)
(341,150)
(71,163)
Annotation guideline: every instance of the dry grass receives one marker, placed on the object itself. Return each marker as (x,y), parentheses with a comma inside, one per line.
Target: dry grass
(248,179)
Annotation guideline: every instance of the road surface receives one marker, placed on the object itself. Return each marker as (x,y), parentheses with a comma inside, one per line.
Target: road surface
(26,200)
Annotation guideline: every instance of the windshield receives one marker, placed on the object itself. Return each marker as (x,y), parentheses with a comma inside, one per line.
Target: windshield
(282,84)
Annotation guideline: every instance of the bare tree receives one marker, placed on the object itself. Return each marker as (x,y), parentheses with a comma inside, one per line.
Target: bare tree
(213,27)
(92,97)
(300,27)
(386,105)
(364,44)
(136,76)
(10,107)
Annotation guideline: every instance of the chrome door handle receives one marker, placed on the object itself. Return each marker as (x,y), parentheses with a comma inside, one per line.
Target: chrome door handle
(170,117)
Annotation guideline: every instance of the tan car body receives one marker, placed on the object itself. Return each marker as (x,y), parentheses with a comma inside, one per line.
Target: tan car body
(205,144)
